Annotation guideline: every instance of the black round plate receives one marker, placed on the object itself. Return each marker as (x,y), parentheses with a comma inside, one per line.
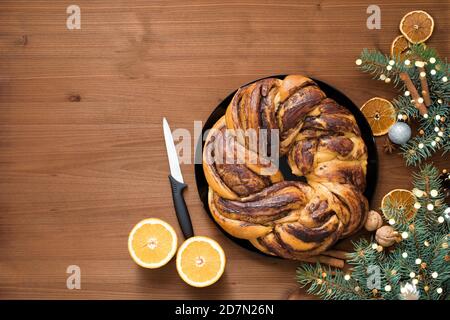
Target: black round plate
(339,97)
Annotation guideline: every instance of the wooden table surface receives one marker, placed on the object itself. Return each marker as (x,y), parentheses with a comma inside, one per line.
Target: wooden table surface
(82,156)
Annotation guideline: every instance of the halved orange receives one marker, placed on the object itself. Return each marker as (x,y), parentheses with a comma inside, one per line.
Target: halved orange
(380,113)
(200,261)
(152,243)
(400,199)
(400,47)
(417,26)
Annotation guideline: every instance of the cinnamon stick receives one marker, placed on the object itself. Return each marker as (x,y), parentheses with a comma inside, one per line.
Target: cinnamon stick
(333,262)
(424,85)
(414,94)
(336,254)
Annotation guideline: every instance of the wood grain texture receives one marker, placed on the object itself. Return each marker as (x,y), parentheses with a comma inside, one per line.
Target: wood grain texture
(82,157)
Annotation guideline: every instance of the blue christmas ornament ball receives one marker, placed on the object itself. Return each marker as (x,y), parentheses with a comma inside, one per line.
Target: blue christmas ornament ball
(400,133)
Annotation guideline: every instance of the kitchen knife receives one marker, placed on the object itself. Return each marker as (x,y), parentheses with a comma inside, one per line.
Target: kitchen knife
(177,183)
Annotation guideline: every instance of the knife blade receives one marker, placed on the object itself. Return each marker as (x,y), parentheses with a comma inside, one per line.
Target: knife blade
(177,183)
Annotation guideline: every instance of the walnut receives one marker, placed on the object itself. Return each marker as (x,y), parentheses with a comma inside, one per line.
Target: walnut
(386,236)
(373,221)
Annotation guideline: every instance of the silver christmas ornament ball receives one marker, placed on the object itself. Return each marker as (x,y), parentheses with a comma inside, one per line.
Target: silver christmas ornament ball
(400,133)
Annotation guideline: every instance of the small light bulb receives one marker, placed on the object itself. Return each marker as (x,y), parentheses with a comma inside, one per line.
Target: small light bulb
(426,243)
(425,115)
(417,205)
(437,139)
(374,246)
(405,255)
(407,62)
(439,290)
(440,101)
(347,277)
(430,207)
(434,193)
(436,129)
(420,100)
(389,68)
(391,222)
(358,62)
(440,133)
(387,80)
(419,64)
(421,145)
(407,93)
(441,219)
(418,261)
(405,235)
(438,117)
(382,77)
(418,193)
(433,72)
(423,74)
(391,62)
(412,275)
(400,116)
(415,281)
(444,79)
(432,60)
(434,275)
(387,288)
(433,143)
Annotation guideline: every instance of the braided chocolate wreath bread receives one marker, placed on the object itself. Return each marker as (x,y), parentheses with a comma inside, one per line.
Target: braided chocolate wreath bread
(290,219)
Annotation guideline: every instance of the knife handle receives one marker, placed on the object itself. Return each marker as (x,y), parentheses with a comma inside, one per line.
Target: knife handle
(180,207)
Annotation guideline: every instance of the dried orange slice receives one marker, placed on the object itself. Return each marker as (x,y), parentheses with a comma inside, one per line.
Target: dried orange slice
(200,261)
(380,114)
(417,26)
(152,243)
(400,199)
(400,47)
